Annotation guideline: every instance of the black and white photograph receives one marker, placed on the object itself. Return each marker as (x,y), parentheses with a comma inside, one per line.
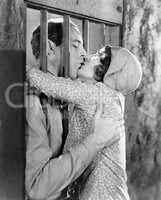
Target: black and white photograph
(80,100)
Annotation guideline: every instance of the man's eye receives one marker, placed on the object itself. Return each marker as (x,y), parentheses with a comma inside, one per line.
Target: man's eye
(75,46)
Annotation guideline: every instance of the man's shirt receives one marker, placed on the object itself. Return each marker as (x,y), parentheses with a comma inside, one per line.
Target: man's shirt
(48,172)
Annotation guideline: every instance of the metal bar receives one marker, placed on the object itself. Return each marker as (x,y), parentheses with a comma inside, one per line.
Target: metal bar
(86,35)
(43,40)
(66,45)
(72,14)
(122,26)
(103,34)
(66,65)
(121,33)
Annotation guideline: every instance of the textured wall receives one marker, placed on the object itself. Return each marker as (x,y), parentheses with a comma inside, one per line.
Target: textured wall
(142,35)
(12,24)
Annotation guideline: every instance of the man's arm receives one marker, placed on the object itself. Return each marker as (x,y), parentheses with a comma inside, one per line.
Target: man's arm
(47,176)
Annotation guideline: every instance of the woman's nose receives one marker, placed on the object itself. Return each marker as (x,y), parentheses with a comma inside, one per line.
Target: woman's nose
(90,57)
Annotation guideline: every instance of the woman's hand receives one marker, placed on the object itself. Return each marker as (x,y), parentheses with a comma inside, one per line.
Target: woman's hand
(106,130)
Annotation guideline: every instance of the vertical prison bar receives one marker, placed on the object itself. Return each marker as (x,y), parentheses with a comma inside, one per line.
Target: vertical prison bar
(121,32)
(43,40)
(103,27)
(66,68)
(86,34)
(66,45)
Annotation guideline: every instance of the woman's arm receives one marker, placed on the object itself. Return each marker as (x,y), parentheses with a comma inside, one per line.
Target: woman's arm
(66,89)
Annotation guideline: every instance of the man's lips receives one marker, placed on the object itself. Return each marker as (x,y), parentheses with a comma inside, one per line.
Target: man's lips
(81,65)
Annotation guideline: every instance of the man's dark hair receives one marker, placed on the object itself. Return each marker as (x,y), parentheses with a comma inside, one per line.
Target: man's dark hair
(55,34)
(105,60)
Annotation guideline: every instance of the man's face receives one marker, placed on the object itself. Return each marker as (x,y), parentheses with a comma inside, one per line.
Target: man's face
(77,52)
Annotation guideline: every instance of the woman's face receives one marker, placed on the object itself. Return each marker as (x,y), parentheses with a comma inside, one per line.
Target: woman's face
(96,65)
(87,69)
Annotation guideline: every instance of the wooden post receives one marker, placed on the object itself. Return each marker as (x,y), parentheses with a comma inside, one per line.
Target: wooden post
(12,76)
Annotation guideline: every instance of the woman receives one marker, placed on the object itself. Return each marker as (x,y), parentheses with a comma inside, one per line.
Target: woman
(103,79)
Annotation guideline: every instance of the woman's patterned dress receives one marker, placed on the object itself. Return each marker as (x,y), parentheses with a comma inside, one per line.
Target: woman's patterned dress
(105,178)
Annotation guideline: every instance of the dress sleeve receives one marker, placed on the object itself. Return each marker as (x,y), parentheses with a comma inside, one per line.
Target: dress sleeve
(72,91)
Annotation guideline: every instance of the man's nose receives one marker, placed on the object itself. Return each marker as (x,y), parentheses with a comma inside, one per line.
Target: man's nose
(83,52)
(85,58)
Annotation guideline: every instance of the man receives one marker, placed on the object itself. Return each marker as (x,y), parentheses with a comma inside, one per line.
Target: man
(48,172)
